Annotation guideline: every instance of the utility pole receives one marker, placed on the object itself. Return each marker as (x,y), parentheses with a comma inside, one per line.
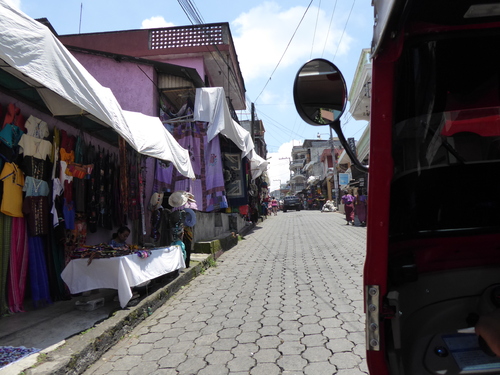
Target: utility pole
(252,126)
(335,176)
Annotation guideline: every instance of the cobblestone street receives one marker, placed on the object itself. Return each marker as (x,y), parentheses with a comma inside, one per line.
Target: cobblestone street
(286,300)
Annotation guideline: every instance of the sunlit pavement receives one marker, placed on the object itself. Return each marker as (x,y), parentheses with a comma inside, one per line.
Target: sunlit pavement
(286,300)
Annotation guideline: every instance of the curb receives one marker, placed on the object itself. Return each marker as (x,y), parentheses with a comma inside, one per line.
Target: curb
(77,353)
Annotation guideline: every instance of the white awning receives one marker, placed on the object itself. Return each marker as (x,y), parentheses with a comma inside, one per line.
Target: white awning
(34,55)
(210,106)
(258,165)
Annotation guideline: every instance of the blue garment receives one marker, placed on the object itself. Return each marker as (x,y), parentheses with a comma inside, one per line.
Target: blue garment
(113,243)
(69,215)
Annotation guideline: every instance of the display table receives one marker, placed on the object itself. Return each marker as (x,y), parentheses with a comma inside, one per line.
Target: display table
(121,273)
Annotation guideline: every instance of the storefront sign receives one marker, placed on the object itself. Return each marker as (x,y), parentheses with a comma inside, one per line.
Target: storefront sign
(343,178)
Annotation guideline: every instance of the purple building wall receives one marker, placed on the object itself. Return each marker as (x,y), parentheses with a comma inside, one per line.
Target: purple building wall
(131,83)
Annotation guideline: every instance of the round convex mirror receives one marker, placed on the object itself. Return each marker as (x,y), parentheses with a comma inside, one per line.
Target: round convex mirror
(320,92)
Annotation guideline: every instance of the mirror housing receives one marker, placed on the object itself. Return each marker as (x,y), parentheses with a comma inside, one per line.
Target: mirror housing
(320,97)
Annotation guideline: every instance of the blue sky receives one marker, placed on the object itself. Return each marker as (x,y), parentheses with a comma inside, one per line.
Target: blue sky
(336,30)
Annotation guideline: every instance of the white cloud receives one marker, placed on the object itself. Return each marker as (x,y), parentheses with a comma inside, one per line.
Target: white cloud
(155,22)
(263,33)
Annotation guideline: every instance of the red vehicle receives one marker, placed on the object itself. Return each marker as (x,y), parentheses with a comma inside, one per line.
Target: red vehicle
(433,234)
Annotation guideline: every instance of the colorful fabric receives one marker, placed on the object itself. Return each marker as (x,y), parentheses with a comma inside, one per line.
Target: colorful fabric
(10,135)
(19,255)
(11,354)
(11,114)
(13,182)
(39,280)
(208,187)
(124,188)
(36,211)
(5,241)
(35,187)
(36,168)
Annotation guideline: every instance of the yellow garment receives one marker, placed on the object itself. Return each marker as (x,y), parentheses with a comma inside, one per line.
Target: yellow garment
(68,157)
(13,182)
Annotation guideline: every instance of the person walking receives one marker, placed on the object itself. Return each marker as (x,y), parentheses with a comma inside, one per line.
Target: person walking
(360,203)
(274,205)
(348,200)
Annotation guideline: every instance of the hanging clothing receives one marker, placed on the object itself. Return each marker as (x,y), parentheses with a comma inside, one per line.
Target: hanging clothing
(69,214)
(36,127)
(19,255)
(36,211)
(36,168)
(10,136)
(12,198)
(68,142)
(57,190)
(31,146)
(39,280)
(54,157)
(5,242)
(11,114)
(35,187)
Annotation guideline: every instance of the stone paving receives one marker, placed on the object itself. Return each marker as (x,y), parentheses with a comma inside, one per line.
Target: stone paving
(286,300)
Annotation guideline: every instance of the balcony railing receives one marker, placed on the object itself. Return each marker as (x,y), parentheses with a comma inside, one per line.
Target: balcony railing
(187,36)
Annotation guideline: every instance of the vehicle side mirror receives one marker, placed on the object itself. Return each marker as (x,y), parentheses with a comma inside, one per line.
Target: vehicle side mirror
(320,97)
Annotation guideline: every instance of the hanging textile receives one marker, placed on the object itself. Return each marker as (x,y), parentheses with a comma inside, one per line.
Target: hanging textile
(36,211)
(5,240)
(208,188)
(39,281)
(215,189)
(19,256)
(134,212)
(13,182)
(122,149)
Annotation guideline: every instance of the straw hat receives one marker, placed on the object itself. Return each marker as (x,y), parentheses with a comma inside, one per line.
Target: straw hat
(156,201)
(177,199)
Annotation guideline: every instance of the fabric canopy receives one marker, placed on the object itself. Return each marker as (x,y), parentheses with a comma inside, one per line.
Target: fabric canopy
(34,55)
(210,106)
(258,165)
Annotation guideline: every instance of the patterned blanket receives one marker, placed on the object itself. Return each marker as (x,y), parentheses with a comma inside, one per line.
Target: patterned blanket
(10,354)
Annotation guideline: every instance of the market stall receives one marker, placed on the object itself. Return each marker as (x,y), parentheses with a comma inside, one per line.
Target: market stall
(122,272)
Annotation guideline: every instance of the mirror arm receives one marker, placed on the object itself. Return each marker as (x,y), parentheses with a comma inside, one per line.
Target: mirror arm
(336,127)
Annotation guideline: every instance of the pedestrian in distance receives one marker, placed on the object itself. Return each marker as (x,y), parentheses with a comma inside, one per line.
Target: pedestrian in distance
(348,200)
(274,205)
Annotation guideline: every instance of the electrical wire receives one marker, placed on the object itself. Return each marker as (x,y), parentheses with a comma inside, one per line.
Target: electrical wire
(329,27)
(343,31)
(315,27)
(195,18)
(283,55)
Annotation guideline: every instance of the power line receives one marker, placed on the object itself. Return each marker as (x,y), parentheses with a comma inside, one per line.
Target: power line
(191,11)
(329,27)
(315,27)
(343,31)
(288,45)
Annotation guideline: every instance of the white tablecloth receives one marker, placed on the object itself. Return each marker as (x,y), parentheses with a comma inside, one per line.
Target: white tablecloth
(121,273)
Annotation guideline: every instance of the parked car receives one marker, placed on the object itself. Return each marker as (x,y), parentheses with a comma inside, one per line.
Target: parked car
(292,203)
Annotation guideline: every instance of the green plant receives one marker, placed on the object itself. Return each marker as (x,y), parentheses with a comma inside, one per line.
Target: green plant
(212,262)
